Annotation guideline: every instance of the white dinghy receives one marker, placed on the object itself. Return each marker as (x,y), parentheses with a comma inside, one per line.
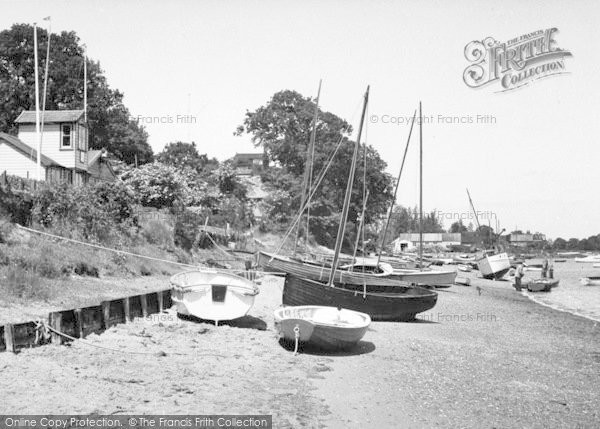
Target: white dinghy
(328,328)
(212,295)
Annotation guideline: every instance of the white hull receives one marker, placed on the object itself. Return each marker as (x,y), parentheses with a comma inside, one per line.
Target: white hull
(589,259)
(212,295)
(324,327)
(427,277)
(493,266)
(586,281)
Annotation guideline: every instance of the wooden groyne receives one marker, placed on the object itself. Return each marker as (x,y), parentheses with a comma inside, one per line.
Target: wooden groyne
(80,322)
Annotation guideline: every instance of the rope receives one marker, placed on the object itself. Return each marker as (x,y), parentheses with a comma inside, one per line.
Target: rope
(296,339)
(221,249)
(241,270)
(62,334)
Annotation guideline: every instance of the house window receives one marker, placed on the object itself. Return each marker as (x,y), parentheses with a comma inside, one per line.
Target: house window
(66,132)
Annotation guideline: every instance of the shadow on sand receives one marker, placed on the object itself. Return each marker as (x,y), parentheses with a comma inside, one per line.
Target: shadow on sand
(361,348)
(246,322)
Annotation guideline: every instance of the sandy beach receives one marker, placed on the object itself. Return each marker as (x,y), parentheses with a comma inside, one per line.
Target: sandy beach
(485,357)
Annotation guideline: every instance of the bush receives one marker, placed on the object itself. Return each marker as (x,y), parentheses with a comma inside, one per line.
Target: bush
(157,185)
(23,283)
(158,233)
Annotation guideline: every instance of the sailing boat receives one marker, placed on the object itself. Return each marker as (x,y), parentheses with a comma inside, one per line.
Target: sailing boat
(492,264)
(420,276)
(403,303)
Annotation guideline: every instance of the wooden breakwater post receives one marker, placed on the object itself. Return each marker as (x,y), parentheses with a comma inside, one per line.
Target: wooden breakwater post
(80,322)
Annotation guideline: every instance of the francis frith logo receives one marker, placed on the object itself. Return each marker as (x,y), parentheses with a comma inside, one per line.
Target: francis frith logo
(514,63)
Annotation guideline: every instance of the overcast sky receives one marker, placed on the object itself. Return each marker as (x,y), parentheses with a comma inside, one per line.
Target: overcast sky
(533,164)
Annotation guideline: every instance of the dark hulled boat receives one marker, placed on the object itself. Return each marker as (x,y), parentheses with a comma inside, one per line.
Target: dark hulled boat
(403,304)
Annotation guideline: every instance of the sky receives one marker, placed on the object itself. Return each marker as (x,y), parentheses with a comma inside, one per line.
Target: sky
(528,156)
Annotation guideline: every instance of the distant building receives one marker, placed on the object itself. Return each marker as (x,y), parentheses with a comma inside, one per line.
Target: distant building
(65,153)
(524,240)
(411,240)
(246,164)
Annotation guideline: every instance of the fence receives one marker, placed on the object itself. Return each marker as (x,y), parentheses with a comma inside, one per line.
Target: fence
(81,322)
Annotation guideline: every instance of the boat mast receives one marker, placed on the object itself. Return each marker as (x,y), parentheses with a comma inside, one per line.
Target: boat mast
(387,223)
(475,213)
(37,105)
(342,227)
(45,81)
(308,170)
(420,188)
(360,228)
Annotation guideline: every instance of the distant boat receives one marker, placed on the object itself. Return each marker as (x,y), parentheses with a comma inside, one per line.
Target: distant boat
(590,281)
(589,259)
(596,265)
(324,327)
(464,268)
(397,303)
(212,295)
(464,281)
(541,285)
(564,260)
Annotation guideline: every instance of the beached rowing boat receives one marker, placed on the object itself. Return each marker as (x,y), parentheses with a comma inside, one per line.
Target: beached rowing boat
(398,303)
(464,268)
(541,285)
(212,295)
(590,281)
(589,259)
(323,327)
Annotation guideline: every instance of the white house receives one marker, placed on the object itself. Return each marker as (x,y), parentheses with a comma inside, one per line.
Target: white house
(65,153)
(411,240)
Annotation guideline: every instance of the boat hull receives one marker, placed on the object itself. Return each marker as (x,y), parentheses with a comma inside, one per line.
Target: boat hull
(323,327)
(212,295)
(541,285)
(321,272)
(590,281)
(428,277)
(402,305)
(493,266)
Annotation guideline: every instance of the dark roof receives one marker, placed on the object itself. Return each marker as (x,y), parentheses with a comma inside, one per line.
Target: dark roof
(26,150)
(50,116)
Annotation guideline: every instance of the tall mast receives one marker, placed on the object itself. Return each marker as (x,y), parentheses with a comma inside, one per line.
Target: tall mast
(420,187)
(85,87)
(37,104)
(387,222)
(474,211)
(361,227)
(342,227)
(307,181)
(45,79)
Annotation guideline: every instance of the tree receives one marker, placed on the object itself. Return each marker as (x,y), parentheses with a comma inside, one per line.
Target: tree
(185,155)
(110,122)
(282,128)
(458,227)
(559,244)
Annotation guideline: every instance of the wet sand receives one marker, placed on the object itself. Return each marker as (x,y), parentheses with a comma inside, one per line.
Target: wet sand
(484,357)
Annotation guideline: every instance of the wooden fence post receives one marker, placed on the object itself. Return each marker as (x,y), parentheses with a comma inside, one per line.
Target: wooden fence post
(56,323)
(159,297)
(79,322)
(126,310)
(9,338)
(106,314)
(144,303)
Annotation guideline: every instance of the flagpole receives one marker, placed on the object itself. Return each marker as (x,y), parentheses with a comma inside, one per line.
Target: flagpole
(37,104)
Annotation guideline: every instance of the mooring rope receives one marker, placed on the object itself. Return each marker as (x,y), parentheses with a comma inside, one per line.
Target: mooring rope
(108,249)
(62,334)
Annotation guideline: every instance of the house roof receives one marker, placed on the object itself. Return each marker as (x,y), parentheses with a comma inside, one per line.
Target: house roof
(50,116)
(25,149)
(99,156)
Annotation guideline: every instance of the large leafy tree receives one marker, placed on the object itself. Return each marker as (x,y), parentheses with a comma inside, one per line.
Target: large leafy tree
(282,127)
(110,122)
(185,155)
